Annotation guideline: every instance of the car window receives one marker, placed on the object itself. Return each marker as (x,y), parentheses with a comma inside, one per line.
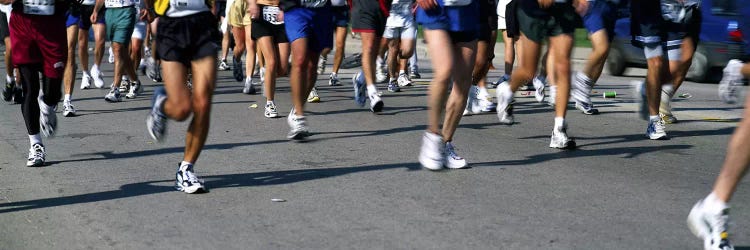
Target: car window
(724,8)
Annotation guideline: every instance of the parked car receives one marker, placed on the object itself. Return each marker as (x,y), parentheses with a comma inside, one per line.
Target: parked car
(721,40)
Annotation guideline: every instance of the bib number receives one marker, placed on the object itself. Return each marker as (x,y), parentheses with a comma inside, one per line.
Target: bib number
(271,15)
(187,4)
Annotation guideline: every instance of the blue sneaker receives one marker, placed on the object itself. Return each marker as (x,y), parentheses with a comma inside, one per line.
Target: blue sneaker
(393,86)
(156,122)
(360,92)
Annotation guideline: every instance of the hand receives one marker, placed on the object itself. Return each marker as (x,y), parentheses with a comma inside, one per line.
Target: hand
(545,3)
(252,10)
(143,16)
(94,16)
(582,7)
(150,16)
(427,4)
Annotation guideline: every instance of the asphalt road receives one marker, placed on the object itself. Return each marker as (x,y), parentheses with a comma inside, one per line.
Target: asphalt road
(357,184)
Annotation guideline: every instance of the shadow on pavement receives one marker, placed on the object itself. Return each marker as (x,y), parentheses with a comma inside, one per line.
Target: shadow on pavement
(212,182)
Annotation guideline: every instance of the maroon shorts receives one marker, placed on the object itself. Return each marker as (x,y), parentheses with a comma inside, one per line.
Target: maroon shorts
(39,40)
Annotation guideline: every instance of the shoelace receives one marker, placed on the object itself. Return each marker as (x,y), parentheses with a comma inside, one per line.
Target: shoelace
(659,126)
(37,152)
(450,150)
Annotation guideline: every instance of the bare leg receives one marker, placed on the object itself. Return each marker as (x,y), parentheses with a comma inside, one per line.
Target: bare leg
(463,63)
(204,81)
(369,55)
(563,45)
(528,63)
(69,77)
(442,65)
(297,75)
(340,44)
(268,47)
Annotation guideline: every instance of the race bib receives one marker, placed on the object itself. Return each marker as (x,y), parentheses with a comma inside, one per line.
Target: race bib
(39,7)
(313,3)
(118,3)
(271,15)
(457,2)
(188,4)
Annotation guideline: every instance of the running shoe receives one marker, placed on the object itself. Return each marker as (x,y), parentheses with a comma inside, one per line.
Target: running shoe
(503,79)
(665,109)
(313,97)
(18,95)
(729,86)
(538,90)
(414,74)
(560,139)
(452,160)
(223,66)
(587,108)
(237,71)
(8,91)
(248,89)
(47,119)
(262,76)
(381,73)
(36,156)
(472,103)
(124,84)
(86,81)
(360,95)
(710,226)
(376,104)
(156,121)
(142,66)
(298,125)
(98,77)
(432,152)
(333,80)
(270,110)
(111,58)
(68,109)
(403,80)
(505,104)
(639,89)
(393,86)
(135,90)
(187,181)
(113,95)
(552,96)
(484,101)
(656,129)
(322,64)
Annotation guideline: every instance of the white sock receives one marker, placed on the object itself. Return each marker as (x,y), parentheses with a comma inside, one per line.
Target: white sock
(185,165)
(333,74)
(94,68)
(653,118)
(584,78)
(67,97)
(35,139)
(379,61)
(8,78)
(85,73)
(268,102)
(371,89)
(668,89)
(713,204)
(559,122)
(401,72)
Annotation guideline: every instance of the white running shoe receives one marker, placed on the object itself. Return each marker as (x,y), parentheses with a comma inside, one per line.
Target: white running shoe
(98,77)
(248,89)
(223,66)
(656,129)
(560,139)
(665,109)
(322,64)
(472,103)
(709,226)
(432,153)
(639,93)
(452,160)
(484,101)
(186,180)
(68,109)
(135,90)
(313,97)
(298,127)
(270,110)
(36,156)
(86,81)
(538,89)
(505,104)
(333,80)
(111,58)
(124,84)
(376,104)
(47,119)
(113,95)
(403,80)
(381,74)
(731,80)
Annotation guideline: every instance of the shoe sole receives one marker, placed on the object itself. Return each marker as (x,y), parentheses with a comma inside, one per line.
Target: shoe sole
(150,129)
(190,190)
(299,136)
(271,115)
(314,100)
(35,164)
(377,107)
(662,137)
(570,145)
(422,161)
(69,114)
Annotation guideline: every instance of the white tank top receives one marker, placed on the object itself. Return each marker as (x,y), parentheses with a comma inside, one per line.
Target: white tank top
(180,8)
(118,3)
(39,7)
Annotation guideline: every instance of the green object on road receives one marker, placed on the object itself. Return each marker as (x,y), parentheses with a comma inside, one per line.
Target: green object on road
(609,94)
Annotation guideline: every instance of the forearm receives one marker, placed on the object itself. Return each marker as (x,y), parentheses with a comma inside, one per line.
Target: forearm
(98,5)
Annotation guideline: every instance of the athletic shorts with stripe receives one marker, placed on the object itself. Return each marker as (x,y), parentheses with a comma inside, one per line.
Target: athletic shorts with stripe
(461,22)
(37,39)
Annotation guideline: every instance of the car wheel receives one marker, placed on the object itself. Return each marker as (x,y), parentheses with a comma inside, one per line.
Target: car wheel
(699,70)
(616,62)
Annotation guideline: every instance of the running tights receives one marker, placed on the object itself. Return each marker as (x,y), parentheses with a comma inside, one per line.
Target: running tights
(31,85)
